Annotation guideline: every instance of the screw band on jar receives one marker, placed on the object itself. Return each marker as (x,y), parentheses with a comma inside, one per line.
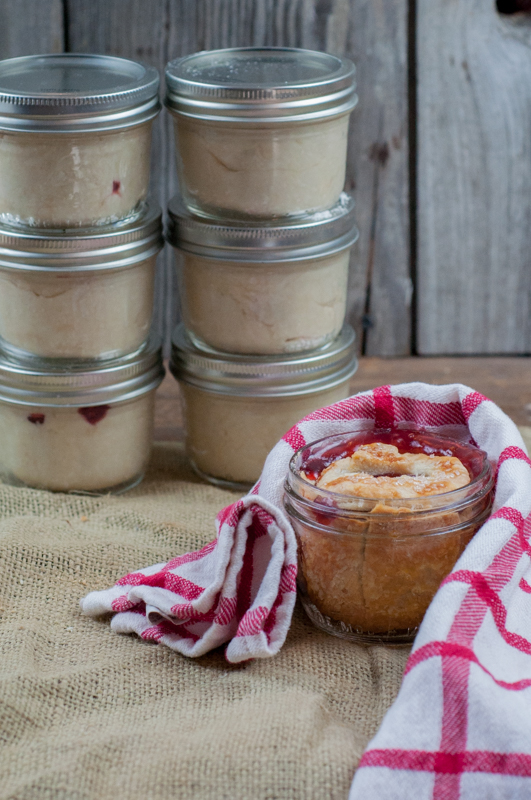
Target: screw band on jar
(76,137)
(261,132)
(280,288)
(237,407)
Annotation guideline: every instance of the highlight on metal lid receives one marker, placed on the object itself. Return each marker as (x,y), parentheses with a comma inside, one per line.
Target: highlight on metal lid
(261,84)
(74,92)
(79,249)
(295,373)
(44,381)
(318,234)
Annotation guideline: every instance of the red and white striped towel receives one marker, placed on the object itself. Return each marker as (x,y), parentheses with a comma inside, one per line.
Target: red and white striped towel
(461,725)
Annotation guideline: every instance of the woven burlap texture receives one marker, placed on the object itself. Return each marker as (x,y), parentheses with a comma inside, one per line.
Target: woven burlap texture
(86,714)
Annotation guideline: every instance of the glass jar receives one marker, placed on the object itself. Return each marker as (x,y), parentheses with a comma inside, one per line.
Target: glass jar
(81,429)
(86,294)
(237,407)
(264,289)
(260,132)
(368,568)
(75,138)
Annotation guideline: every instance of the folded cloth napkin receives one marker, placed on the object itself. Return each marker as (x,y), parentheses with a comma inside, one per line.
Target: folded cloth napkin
(460,726)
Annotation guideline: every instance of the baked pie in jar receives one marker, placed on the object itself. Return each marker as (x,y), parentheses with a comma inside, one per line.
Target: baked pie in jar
(381,517)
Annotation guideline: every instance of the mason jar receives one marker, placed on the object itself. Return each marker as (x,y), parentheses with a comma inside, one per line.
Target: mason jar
(267,289)
(237,407)
(260,131)
(369,568)
(83,294)
(75,138)
(78,428)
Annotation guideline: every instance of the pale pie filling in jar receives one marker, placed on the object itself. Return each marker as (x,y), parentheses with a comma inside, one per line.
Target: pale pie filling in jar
(89,448)
(60,180)
(83,314)
(264,308)
(246,171)
(228,437)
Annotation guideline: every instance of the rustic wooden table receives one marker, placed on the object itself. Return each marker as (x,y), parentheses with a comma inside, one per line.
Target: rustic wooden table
(507,381)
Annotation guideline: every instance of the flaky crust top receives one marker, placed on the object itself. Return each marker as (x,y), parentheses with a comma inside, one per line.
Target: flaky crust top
(379,471)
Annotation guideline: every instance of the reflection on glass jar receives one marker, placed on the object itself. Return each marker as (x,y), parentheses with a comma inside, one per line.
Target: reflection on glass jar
(81,295)
(236,408)
(264,289)
(261,171)
(84,430)
(75,137)
(260,132)
(66,180)
(369,568)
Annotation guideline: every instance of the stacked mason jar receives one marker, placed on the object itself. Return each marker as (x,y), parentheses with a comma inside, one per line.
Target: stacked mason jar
(264,233)
(78,244)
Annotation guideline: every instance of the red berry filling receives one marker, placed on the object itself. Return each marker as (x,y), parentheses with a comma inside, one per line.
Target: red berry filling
(93,414)
(36,419)
(116,185)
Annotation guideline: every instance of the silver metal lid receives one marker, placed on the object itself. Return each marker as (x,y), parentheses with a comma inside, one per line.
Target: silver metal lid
(83,249)
(41,382)
(263,376)
(311,236)
(261,84)
(74,92)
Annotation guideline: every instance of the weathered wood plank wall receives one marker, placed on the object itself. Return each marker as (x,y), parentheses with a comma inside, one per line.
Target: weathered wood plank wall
(471,152)
(474,178)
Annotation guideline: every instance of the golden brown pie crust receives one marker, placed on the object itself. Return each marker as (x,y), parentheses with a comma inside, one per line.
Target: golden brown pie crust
(380,574)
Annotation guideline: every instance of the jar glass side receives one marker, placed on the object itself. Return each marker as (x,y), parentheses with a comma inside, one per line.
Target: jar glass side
(228,437)
(61,180)
(368,569)
(246,171)
(375,589)
(76,315)
(102,448)
(263,308)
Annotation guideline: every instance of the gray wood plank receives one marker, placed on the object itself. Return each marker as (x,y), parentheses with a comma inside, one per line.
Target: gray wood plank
(30,26)
(381,284)
(367,30)
(474,179)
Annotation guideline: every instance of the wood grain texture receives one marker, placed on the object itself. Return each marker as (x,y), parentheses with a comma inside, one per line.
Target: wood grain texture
(373,33)
(30,26)
(474,178)
(378,171)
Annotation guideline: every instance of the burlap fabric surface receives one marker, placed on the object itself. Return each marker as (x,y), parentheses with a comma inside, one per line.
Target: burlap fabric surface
(87,714)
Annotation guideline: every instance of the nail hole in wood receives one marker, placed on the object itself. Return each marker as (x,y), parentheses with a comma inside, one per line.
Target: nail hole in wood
(513,6)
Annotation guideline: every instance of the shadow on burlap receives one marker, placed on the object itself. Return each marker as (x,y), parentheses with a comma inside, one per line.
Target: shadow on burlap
(88,714)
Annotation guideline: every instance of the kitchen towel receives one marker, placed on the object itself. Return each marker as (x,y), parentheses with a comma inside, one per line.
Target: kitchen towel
(458,724)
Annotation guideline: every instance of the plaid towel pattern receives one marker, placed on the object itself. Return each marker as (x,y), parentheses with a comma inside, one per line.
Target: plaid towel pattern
(460,725)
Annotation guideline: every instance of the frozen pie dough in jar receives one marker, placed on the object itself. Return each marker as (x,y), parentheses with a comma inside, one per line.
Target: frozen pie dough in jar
(80,429)
(237,407)
(260,132)
(269,289)
(381,517)
(75,138)
(84,294)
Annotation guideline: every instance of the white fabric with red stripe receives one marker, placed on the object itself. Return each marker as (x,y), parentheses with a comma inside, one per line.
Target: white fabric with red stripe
(461,725)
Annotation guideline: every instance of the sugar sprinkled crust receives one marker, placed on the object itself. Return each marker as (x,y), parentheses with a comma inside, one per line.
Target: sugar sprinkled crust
(379,471)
